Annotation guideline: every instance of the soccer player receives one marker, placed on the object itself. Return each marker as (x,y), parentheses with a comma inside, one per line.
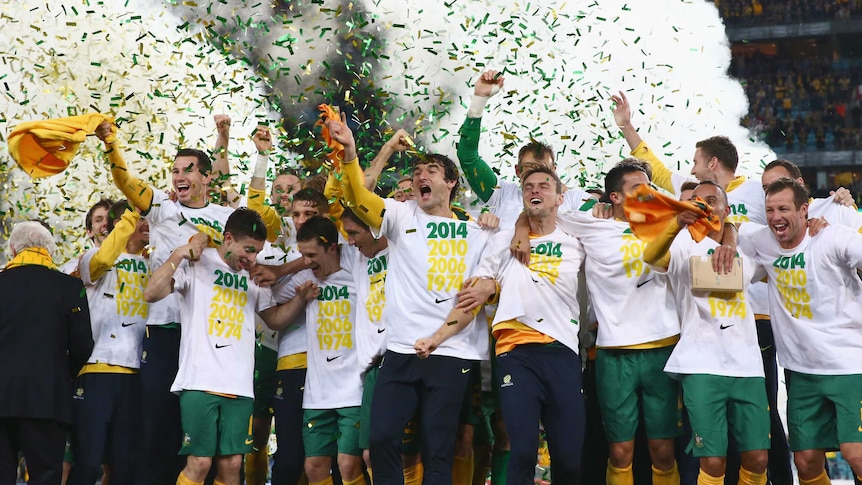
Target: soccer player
(816,299)
(107,397)
(216,369)
(638,327)
(96,223)
(431,252)
(717,356)
(503,197)
(537,337)
(171,223)
(333,385)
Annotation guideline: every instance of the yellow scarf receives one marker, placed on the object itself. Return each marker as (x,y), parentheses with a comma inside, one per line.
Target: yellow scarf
(37,256)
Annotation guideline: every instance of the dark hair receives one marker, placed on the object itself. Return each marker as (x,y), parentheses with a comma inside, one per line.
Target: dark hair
(349,214)
(316,182)
(720,190)
(88,219)
(289,171)
(44,224)
(245,222)
(316,198)
(614,177)
(800,195)
(721,148)
(791,167)
(688,185)
(450,170)
(547,171)
(204,163)
(538,149)
(116,211)
(320,229)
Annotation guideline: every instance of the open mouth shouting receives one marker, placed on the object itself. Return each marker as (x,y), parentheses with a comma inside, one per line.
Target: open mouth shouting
(424,191)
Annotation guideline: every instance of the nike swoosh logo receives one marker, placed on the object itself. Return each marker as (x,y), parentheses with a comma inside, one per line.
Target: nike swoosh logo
(644,282)
(330,359)
(437,300)
(124,324)
(381,330)
(723,327)
(221,346)
(464,371)
(764,349)
(249,442)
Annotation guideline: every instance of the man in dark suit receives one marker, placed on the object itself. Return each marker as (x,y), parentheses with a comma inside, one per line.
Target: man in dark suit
(45,339)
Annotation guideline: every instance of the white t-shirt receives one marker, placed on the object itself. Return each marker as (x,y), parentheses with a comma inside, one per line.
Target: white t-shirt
(815,297)
(269,255)
(118,311)
(633,304)
(333,379)
(718,334)
(836,214)
(217,343)
(291,340)
(171,226)
(429,259)
(371,297)
(507,202)
(543,296)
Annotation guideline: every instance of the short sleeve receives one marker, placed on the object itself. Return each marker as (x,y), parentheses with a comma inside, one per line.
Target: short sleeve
(159,208)
(182,277)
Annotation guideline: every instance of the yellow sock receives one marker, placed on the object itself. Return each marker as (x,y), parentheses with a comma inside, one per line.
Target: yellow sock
(216,482)
(256,467)
(462,470)
(619,476)
(360,480)
(370,475)
(413,474)
(182,479)
(821,479)
(665,477)
(327,481)
(750,478)
(704,478)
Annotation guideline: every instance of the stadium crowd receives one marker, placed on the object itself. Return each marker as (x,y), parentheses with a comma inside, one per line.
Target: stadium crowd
(773,12)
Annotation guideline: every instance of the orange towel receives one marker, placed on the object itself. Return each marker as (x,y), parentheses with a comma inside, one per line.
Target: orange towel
(337,153)
(649,212)
(45,148)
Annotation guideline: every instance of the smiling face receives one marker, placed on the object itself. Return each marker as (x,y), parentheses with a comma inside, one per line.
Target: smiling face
(431,187)
(630,182)
(404,191)
(321,260)
(240,253)
(541,197)
(703,165)
(99,226)
(360,237)
(189,183)
(787,222)
(529,161)
(283,188)
(301,211)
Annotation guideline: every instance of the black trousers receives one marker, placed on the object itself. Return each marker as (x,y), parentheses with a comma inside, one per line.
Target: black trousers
(42,442)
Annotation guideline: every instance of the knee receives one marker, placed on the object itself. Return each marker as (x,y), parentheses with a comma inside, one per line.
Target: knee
(852,452)
(810,463)
(366,457)
(713,465)
(662,453)
(621,454)
(349,466)
(229,466)
(755,461)
(197,467)
(317,468)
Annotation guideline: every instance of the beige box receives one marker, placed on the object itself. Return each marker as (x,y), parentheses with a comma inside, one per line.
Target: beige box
(703,278)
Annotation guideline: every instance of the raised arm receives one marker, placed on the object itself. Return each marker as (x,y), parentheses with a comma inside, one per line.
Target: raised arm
(398,143)
(221,165)
(257,188)
(478,173)
(136,190)
(661,175)
(657,253)
(367,205)
(113,245)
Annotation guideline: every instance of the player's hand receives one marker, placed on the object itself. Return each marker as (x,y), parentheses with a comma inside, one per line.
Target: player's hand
(307,291)
(475,293)
(222,123)
(262,139)
(489,83)
(103,131)
(722,259)
(622,111)
(263,275)
(197,244)
(488,221)
(425,346)
(399,141)
(603,210)
(339,131)
(687,218)
(816,225)
(520,247)
(843,197)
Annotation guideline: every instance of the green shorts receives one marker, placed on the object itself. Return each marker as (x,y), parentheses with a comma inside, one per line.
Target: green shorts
(823,411)
(624,377)
(265,360)
(326,432)
(215,425)
(716,403)
(409,439)
(483,433)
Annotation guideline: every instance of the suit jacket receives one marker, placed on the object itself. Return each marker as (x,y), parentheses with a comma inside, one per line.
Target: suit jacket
(45,339)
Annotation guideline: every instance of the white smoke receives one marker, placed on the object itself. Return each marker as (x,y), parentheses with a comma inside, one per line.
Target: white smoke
(562,61)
